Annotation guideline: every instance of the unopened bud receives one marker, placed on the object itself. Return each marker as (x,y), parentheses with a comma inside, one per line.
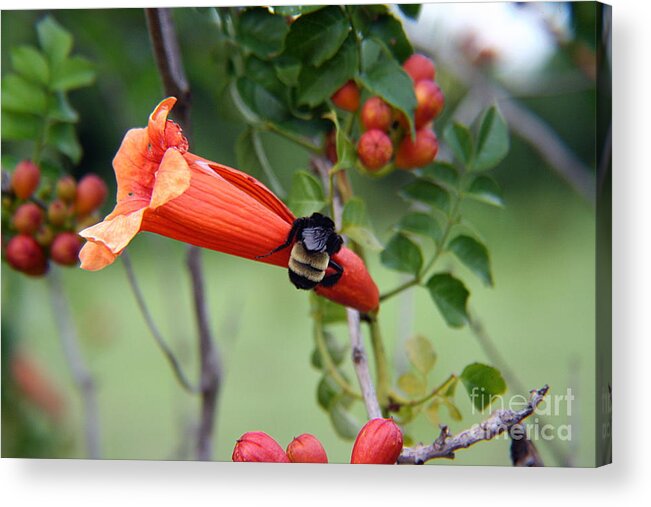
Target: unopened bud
(376,114)
(91,192)
(65,248)
(347,97)
(374,149)
(25,179)
(419,152)
(257,446)
(430,102)
(419,67)
(67,189)
(28,218)
(57,213)
(306,448)
(379,442)
(25,255)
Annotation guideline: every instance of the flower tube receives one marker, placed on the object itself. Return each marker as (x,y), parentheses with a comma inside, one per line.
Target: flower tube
(165,189)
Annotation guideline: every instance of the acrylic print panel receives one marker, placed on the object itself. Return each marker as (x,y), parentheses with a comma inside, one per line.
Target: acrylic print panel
(424,175)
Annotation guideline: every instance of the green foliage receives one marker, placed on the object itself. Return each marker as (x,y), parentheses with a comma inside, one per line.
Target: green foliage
(483,383)
(428,193)
(450,296)
(410,10)
(356,226)
(492,140)
(485,189)
(421,354)
(306,196)
(402,254)
(459,140)
(420,224)
(474,255)
(34,102)
(262,32)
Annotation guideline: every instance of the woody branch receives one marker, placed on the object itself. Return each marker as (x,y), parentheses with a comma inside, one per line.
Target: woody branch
(446,443)
(170,67)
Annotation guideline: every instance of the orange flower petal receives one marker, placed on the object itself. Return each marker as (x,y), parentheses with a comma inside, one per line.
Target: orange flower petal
(115,233)
(172,179)
(95,256)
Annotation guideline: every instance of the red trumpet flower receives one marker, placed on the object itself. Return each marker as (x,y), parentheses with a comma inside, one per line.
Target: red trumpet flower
(165,189)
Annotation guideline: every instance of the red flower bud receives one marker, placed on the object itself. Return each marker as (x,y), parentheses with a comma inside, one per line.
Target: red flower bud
(417,153)
(379,442)
(25,179)
(67,189)
(430,102)
(44,236)
(347,97)
(306,448)
(91,193)
(25,255)
(57,213)
(257,446)
(65,248)
(28,218)
(376,114)
(374,149)
(419,67)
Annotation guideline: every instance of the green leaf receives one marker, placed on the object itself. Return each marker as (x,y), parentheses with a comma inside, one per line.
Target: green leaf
(356,226)
(344,423)
(64,138)
(432,412)
(459,139)
(306,196)
(61,110)
(492,140)
(421,353)
(410,10)
(288,69)
(428,193)
(420,224)
(260,101)
(315,85)
(389,30)
(450,296)
(332,313)
(316,37)
(31,64)
(327,392)
(412,385)
(486,190)
(296,10)
(402,254)
(54,40)
(21,96)
(337,351)
(264,74)
(262,32)
(382,75)
(474,255)
(453,410)
(245,154)
(483,383)
(20,127)
(72,73)
(442,172)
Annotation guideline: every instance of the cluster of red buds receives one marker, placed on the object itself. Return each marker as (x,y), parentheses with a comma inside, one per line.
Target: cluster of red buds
(379,442)
(43,226)
(385,131)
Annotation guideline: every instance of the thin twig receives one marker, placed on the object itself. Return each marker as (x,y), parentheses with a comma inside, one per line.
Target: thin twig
(360,364)
(446,443)
(168,60)
(153,328)
(170,67)
(211,370)
(81,375)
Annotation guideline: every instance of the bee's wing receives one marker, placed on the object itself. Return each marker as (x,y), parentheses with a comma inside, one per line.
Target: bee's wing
(315,239)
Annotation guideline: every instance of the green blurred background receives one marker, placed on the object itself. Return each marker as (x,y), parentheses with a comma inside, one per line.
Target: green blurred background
(540,314)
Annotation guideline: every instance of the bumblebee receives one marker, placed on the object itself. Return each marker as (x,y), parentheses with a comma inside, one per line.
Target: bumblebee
(315,242)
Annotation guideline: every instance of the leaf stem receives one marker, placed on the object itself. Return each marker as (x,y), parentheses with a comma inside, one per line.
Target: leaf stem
(295,138)
(381,363)
(437,391)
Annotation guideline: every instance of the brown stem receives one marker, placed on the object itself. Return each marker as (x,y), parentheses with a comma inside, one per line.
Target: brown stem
(211,369)
(170,66)
(446,443)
